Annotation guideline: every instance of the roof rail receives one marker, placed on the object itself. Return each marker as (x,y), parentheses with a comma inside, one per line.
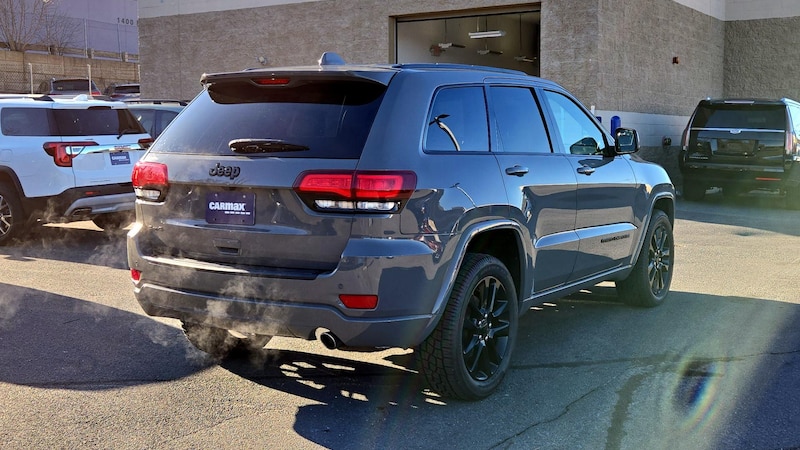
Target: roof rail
(446,66)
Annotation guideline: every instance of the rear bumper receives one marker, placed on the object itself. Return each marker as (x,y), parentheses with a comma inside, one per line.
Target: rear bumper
(767,177)
(409,289)
(82,203)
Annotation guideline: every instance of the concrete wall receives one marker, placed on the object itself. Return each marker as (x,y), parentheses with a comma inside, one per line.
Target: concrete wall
(175,50)
(761,58)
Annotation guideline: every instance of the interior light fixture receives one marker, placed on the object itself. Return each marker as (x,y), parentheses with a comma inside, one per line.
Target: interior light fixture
(486,34)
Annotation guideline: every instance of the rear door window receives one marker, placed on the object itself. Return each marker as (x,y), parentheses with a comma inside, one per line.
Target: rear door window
(518,123)
(319,119)
(26,122)
(457,120)
(98,120)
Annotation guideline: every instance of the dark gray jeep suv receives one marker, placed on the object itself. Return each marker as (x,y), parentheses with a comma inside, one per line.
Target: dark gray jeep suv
(419,206)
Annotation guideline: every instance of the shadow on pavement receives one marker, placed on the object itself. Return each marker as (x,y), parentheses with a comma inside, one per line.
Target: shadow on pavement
(74,243)
(763,211)
(53,341)
(677,373)
(724,371)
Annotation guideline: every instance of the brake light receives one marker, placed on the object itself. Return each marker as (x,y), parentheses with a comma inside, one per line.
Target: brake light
(356,191)
(150,181)
(64,152)
(271,81)
(136,275)
(146,142)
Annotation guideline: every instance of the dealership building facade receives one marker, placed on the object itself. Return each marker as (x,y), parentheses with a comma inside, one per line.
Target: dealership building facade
(646,61)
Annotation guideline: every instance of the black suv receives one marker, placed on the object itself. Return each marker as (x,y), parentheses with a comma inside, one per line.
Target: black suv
(410,205)
(740,145)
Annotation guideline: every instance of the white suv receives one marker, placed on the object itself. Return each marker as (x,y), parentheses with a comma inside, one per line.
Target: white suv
(63,160)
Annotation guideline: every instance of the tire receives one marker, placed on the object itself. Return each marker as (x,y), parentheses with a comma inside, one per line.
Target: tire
(648,283)
(113,221)
(219,343)
(693,191)
(469,352)
(12,224)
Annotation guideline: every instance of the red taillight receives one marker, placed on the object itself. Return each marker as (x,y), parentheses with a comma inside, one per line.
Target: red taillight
(359,301)
(271,81)
(64,152)
(150,181)
(136,275)
(96,93)
(356,191)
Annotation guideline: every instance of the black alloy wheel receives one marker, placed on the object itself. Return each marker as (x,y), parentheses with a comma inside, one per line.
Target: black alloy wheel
(649,281)
(468,354)
(10,214)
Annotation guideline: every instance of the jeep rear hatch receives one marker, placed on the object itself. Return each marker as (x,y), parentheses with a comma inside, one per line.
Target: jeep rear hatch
(263,171)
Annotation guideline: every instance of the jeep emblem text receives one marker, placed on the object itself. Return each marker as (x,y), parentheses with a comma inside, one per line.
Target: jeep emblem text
(224,171)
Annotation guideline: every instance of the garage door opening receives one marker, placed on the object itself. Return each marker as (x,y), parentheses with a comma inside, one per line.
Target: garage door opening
(507,40)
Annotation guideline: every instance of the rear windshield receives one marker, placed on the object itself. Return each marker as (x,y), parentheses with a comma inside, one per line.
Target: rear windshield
(764,117)
(127,89)
(72,85)
(320,119)
(68,122)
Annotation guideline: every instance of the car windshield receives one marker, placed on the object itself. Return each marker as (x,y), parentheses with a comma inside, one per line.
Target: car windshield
(742,116)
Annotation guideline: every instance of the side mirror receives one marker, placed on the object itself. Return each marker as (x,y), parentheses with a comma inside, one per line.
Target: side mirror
(626,141)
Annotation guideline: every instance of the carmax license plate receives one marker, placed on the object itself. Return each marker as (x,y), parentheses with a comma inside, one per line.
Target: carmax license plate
(237,208)
(120,158)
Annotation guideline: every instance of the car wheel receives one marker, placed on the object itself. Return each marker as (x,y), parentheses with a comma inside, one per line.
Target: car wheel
(113,221)
(693,191)
(11,221)
(468,353)
(648,283)
(219,342)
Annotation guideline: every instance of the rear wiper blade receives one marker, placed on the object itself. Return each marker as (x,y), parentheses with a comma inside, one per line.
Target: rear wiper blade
(264,146)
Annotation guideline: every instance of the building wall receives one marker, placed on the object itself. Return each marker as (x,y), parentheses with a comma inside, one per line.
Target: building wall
(176,49)
(761,58)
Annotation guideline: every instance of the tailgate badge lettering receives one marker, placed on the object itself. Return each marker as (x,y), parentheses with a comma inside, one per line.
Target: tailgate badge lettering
(224,171)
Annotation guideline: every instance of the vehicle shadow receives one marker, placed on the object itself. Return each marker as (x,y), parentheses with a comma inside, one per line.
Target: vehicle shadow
(53,341)
(764,211)
(75,243)
(697,366)
(657,366)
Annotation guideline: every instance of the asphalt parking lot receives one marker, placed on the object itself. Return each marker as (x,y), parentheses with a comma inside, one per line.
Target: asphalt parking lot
(717,366)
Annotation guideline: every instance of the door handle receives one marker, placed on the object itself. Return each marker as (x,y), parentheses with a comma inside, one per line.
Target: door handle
(517,170)
(586,170)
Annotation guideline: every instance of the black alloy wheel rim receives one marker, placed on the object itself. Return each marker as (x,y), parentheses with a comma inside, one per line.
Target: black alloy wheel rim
(5,216)
(660,260)
(485,334)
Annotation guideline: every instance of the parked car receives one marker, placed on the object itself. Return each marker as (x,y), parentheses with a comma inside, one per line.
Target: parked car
(422,206)
(740,145)
(66,159)
(122,91)
(68,87)
(155,115)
